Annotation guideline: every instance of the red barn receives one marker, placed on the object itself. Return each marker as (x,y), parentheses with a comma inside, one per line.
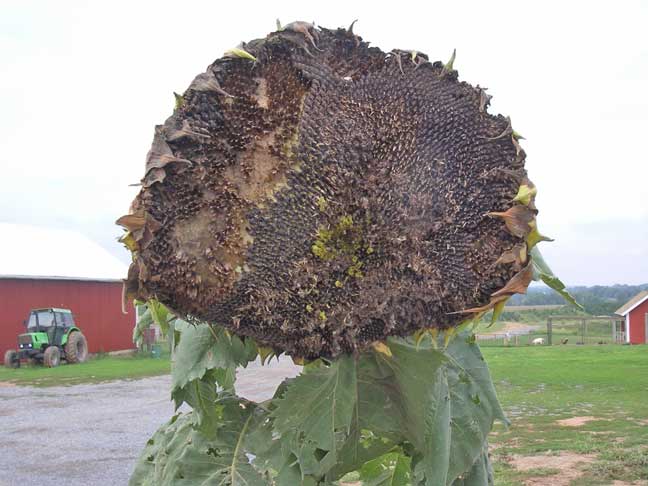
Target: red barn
(635,312)
(42,267)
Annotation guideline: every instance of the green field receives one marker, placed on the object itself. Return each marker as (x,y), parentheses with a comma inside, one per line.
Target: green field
(103,368)
(538,386)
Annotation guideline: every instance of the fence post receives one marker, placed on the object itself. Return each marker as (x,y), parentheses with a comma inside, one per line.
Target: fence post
(549,330)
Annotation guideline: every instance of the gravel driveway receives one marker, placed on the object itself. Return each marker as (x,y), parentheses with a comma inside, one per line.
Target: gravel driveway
(92,434)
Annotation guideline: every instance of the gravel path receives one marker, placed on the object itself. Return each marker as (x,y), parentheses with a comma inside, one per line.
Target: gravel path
(92,434)
(510,328)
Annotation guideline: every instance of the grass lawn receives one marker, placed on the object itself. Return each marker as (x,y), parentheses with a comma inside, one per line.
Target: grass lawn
(604,388)
(103,368)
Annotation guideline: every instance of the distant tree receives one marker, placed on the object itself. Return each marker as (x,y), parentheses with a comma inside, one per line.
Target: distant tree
(597,300)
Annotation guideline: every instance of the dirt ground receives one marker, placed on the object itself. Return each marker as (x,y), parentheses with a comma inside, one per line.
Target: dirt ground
(512,328)
(92,434)
(516,327)
(566,464)
(576,421)
(559,469)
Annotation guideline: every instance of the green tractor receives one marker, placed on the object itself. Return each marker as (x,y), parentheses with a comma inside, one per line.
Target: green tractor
(51,336)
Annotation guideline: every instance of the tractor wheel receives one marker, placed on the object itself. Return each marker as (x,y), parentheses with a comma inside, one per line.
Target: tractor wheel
(52,357)
(76,348)
(11,359)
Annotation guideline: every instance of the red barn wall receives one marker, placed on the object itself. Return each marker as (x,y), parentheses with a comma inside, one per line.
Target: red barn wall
(638,323)
(96,307)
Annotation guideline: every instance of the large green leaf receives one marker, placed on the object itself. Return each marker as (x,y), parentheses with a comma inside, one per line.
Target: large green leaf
(314,415)
(375,425)
(273,455)
(229,447)
(159,459)
(203,347)
(424,402)
(441,401)
(201,395)
(447,410)
(160,315)
(392,469)
(205,356)
(179,454)
(143,322)
(474,403)
(481,474)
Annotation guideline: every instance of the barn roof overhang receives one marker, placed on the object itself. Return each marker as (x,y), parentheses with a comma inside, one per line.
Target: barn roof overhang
(50,277)
(36,252)
(633,303)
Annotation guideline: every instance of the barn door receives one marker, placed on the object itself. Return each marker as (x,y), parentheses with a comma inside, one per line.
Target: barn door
(646,329)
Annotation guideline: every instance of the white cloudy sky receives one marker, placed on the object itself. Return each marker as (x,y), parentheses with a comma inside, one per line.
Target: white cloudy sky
(83,84)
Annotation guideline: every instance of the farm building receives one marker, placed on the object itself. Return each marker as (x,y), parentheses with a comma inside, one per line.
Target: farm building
(42,268)
(635,312)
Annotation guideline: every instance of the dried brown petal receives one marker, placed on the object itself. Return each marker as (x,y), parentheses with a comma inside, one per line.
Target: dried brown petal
(517,255)
(484,308)
(207,82)
(518,219)
(519,283)
(132,222)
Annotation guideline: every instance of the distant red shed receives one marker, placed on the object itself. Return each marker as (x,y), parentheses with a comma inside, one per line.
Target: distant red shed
(635,312)
(56,268)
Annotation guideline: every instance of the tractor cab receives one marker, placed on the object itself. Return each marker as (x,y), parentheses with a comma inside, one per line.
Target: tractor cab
(48,325)
(51,335)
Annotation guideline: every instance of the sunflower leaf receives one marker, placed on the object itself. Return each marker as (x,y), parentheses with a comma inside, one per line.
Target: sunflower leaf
(544,273)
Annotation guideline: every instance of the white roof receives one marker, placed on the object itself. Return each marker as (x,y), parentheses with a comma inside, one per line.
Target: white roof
(633,303)
(33,252)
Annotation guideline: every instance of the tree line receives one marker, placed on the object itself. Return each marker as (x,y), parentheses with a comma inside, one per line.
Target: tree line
(597,299)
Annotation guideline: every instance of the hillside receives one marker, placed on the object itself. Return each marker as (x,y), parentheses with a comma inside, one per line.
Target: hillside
(597,300)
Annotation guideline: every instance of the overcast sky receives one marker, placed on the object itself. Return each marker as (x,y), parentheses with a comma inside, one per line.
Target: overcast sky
(83,84)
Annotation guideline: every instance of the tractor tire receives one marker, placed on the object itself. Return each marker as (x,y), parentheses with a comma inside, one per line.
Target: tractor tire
(52,357)
(11,359)
(76,348)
